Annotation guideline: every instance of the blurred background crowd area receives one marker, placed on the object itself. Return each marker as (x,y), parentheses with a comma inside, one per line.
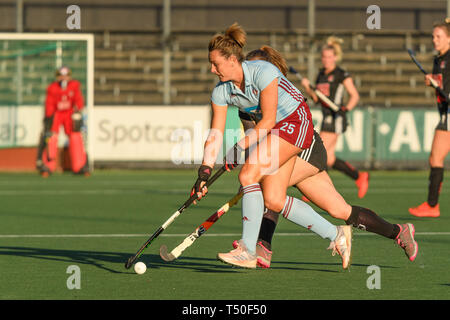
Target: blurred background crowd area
(155,52)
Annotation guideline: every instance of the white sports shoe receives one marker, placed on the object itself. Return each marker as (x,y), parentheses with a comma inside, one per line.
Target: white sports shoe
(343,245)
(239,257)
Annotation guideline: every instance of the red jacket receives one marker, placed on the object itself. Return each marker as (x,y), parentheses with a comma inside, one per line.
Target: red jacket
(59,99)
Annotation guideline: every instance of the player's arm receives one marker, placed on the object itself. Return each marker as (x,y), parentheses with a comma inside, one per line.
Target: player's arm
(50,102)
(307,86)
(353,94)
(77,105)
(50,109)
(442,87)
(211,150)
(428,78)
(268,101)
(214,140)
(446,82)
(78,98)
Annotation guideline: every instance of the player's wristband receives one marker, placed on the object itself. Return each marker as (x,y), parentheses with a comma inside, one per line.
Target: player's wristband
(204,172)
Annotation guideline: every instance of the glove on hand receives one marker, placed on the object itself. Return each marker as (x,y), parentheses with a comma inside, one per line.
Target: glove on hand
(204,172)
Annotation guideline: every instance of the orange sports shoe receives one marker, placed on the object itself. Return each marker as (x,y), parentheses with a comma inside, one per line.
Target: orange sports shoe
(425,210)
(362,183)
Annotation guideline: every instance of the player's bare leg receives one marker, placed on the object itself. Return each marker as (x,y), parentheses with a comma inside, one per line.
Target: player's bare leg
(439,150)
(275,166)
(333,203)
(302,214)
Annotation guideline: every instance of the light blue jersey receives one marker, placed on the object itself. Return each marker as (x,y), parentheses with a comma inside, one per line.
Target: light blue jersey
(258,75)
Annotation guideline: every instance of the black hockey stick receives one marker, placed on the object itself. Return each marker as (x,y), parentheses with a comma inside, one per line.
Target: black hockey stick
(188,202)
(433,82)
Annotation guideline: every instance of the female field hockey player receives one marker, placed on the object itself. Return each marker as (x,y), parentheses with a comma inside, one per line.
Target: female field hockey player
(311,178)
(441,141)
(284,130)
(332,81)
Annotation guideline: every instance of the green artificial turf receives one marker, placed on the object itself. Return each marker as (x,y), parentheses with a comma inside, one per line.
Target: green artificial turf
(97,223)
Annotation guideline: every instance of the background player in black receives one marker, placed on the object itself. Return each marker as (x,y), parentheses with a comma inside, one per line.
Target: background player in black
(441,140)
(333,81)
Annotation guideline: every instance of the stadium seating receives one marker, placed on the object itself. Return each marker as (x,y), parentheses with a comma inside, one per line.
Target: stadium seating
(129,68)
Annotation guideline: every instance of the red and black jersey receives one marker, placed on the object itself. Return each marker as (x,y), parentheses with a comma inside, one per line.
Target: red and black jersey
(63,99)
(331,84)
(441,73)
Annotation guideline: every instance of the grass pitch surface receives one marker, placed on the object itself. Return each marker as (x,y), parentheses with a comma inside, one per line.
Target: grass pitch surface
(97,223)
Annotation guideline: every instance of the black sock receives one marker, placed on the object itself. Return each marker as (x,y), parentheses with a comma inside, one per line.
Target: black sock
(365,219)
(346,168)
(266,232)
(434,187)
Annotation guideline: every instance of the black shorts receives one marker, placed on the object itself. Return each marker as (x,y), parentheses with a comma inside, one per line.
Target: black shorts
(334,121)
(246,116)
(443,124)
(316,154)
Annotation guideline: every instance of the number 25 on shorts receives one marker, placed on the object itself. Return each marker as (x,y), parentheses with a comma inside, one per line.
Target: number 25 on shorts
(288,127)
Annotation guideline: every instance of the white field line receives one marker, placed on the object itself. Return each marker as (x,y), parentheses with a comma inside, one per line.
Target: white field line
(84,182)
(131,235)
(180,191)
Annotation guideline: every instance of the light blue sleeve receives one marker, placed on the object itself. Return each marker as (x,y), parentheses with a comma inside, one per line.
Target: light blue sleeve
(264,74)
(218,96)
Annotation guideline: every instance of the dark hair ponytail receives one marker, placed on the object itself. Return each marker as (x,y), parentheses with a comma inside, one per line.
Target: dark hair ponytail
(271,55)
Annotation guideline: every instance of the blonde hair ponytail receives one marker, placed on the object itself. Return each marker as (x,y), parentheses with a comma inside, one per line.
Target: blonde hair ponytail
(334,43)
(444,26)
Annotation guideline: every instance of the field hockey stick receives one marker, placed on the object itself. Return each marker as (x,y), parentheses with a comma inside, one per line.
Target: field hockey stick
(433,82)
(190,239)
(319,94)
(188,202)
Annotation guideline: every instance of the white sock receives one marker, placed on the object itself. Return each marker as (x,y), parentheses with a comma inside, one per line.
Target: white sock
(252,213)
(302,214)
